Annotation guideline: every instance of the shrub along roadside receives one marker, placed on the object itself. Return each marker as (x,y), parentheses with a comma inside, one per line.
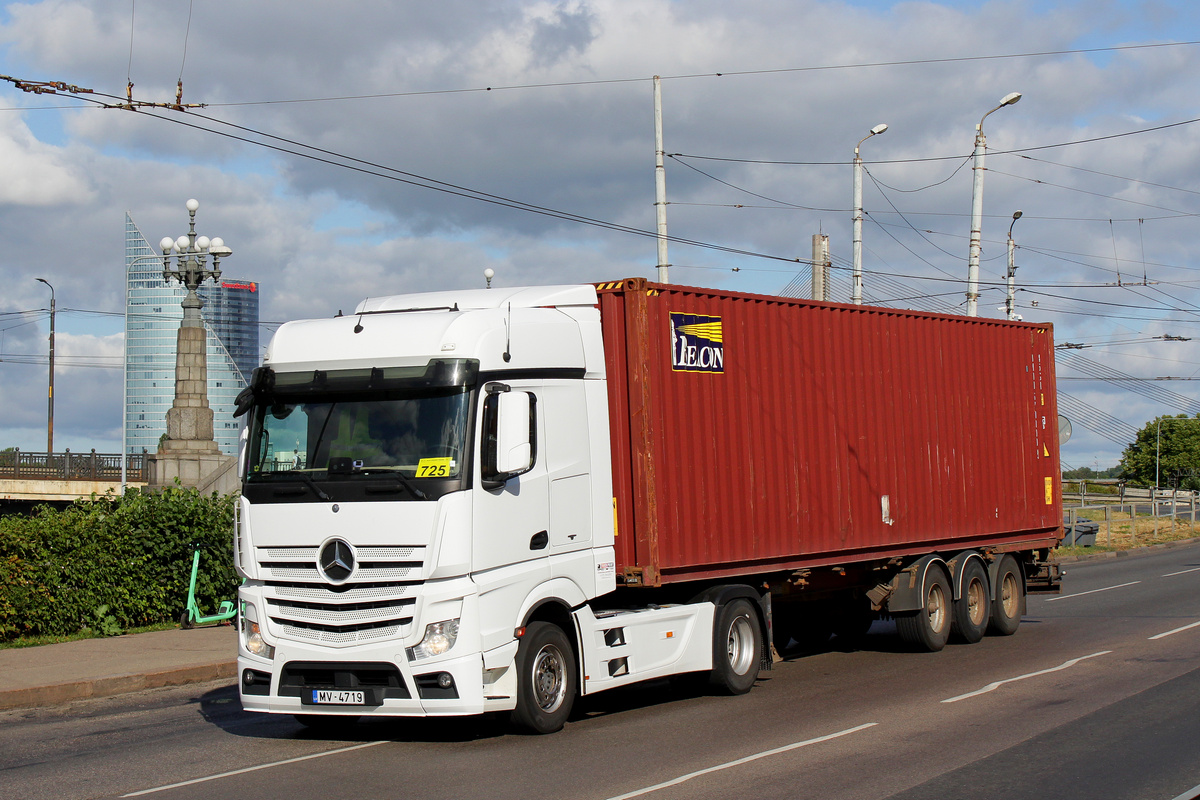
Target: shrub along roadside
(133,554)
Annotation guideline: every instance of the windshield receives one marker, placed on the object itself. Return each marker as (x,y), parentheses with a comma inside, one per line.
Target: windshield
(338,425)
(423,437)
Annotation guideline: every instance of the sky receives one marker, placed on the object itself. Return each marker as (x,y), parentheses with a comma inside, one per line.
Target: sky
(371,148)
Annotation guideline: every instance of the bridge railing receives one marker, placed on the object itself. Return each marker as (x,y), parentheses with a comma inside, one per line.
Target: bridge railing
(70,466)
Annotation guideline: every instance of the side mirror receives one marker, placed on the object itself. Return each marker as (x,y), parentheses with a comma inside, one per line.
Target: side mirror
(514,446)
(509,443)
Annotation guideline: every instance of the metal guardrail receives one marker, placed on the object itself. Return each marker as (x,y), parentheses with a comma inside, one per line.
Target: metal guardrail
(70,466)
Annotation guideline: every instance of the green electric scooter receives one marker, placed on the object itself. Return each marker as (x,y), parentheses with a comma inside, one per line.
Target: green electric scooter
(192,617)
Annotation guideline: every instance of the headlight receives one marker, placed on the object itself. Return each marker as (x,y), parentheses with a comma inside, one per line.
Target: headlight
(439,637)
(252,635)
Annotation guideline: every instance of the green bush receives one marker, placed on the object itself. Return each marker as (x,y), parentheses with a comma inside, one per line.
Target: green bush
(113,563)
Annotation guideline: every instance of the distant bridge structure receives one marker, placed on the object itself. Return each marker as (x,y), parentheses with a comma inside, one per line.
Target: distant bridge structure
(28,478)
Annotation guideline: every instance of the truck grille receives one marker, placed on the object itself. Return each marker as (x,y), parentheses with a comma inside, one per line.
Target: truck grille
(377,600)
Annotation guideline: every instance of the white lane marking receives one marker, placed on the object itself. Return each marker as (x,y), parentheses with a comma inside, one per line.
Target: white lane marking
(1181,572)
(1093,591)
(997,684)
(740,761)
(1190,794)
(1177,630)
(253,769)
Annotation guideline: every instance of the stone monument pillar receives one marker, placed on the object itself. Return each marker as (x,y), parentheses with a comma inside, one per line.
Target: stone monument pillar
(190,453)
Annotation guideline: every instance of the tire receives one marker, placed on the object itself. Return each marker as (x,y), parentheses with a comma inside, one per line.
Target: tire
(1008,598)
(547,680)
(185,620)
(737,648)
(973,608)
(929,627)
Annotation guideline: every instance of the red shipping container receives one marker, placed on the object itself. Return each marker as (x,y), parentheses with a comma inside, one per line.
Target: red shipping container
(753,434)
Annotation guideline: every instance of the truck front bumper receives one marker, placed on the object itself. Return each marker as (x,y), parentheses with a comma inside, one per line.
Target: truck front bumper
(369,682)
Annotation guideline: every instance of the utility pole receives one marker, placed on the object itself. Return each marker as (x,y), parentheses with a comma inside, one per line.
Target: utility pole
(50,400)
(1010,298)
(856,289)
(660,184)
(977,169)
(820,266)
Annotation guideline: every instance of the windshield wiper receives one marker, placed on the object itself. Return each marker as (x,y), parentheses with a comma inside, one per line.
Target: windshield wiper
(400,480)
(307,479)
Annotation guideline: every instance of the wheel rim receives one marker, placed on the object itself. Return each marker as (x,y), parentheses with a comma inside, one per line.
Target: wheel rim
(976,602)
(549,678)
(740,649)
(1008,595)
(935,607)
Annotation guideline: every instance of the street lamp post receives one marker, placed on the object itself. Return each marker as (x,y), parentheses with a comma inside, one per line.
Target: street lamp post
(1010,298)
(977,206)
(189,451)
(50,394)
(856,291)
(191,269)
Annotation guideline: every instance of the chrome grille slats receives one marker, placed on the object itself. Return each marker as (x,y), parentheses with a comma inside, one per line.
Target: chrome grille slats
(376,601)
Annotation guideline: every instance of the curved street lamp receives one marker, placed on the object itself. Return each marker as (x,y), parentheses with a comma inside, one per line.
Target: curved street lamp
(856,291)
(1010,298)
(977,205)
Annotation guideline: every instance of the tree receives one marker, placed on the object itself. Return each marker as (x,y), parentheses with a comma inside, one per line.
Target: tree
(1169,446)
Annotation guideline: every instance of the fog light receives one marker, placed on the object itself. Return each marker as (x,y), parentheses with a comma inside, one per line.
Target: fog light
(445,680)
(439,638)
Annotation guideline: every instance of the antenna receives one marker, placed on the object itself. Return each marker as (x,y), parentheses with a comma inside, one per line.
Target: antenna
(508,336)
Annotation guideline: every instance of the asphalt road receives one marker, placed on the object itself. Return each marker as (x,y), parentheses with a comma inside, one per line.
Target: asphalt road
(1096,696)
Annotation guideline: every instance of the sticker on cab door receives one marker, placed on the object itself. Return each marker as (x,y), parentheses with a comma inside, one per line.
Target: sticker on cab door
(434,467)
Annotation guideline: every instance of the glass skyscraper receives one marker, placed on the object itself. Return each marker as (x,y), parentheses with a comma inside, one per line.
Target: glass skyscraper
(152,316)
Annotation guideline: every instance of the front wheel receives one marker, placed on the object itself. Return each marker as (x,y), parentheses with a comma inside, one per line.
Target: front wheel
(737,647)
(546,679)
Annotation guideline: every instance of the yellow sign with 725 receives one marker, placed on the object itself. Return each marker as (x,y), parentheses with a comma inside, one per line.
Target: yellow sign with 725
(434,467)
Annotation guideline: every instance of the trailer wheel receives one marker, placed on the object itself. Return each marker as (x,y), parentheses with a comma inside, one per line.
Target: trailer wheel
(929,627)
(972,609)
(1006,604)
(546,679)
(737,648)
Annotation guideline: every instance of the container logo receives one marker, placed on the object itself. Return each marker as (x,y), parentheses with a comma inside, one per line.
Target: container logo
(697,343)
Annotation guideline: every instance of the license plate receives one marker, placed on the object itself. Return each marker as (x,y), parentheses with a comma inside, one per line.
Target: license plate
(338,698)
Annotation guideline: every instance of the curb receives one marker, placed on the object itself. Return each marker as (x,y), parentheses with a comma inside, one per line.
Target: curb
(109,685)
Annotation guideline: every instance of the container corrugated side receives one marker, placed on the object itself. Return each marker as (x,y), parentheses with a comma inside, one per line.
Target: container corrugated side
(831,434)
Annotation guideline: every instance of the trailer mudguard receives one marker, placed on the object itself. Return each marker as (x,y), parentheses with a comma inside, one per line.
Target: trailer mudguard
(907,585)
(958,566)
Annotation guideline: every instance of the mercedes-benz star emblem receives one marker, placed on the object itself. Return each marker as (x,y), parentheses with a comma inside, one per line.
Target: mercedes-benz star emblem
(336,561)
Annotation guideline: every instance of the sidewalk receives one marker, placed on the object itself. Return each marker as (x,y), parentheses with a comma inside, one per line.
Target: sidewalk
(59,673)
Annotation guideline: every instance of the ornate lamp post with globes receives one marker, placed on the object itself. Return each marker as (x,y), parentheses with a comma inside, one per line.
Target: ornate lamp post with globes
(190,452)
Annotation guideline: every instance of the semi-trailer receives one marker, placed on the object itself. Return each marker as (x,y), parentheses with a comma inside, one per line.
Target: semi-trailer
(499,500)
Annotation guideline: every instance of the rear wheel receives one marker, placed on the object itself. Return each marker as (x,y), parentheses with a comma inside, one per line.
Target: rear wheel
(737,647)
(546,679)
(1007,600)
(929,627)
(972,609)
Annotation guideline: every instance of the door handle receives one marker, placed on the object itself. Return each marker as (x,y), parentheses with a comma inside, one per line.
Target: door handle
(539,541)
